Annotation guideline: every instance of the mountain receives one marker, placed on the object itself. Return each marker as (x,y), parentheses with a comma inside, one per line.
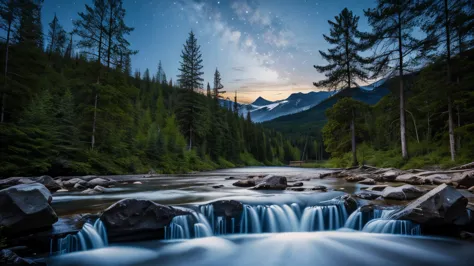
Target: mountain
(260,101)
(263,110)
(314,118)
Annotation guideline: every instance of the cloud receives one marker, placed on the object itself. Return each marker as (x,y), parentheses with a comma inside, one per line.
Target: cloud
(242,80)
(238,68)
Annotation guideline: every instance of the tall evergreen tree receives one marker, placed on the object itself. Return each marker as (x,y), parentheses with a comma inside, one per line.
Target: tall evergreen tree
(190,109)
(159,73)
(68,53)
(208,91)
(115,31)
(393,22)
(29,29)
(8,15)
(346,67)
(218,92)
(56,36)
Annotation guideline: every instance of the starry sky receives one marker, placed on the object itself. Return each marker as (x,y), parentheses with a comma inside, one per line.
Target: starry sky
(261,47)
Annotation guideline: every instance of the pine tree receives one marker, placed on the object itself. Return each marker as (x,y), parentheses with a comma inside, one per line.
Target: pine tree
(393,23)
(236,104)
(218,92)
(68,53)
(208,93)
(56,37)
(8,15)
(190,110)
(115,31)
(29,30)
(346,67)
(159,73)
(91,28)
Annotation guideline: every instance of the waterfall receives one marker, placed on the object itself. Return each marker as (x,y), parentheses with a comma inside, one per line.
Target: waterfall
(188,226)
(322,218)
(386,226)
(91,236)
(358,219)
(270,218)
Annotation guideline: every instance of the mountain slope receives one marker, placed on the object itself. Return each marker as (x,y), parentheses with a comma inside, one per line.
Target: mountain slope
(314,118)
(295,103)
(260,101)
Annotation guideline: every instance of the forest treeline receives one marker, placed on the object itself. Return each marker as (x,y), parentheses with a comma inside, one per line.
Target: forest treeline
(65,113)
(424,51)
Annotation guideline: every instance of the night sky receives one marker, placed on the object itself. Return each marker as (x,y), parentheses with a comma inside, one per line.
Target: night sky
(261,47)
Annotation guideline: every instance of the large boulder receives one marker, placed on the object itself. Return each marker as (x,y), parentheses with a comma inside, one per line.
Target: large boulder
(228,208)
(272,183)
(134,219)
(13,181)
(441,205)
(389,174)
(48,182)
(367,181)
(356,178)
(405,192)
(8,257)
(410,178)
(244,183)
(26,208)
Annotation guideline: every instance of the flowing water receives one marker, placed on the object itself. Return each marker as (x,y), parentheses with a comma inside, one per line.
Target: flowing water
(274,227)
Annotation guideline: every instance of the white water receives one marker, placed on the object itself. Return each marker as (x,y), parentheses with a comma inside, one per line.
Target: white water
(385,226)
(270,218)
(91,236)
(357,220)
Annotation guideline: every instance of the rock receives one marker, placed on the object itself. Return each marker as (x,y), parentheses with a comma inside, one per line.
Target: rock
(95,190)
(80,186)
(321,188)
(230,178)
(367,195)
(329,174)
(100,182)
(405,192)
(218,186)
(272,183)
(228,208)
(377,188)
(134,219)
(410,179)
(367,181)
(349,203)
(137,183)
(48,182)
(356,178)
(466,236)
(437,179)
(441,205)
(390,174)
(25,208)
(471,189)
(296,188)
(244,183)
(63,190)
(72,182)
(13,181)
(297,184)
(464,179)
(88,177)
(8,257)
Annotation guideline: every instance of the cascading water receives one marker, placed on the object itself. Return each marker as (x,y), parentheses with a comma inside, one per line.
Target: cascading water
(330,215)
(358,219)
(91,236)
(386,226)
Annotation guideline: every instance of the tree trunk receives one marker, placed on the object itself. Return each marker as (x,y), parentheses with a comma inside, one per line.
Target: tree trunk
(403,138)
(94,122)
(414,124)
(4,95)
(452,142)
(458,138)
(354,151)
(190,138)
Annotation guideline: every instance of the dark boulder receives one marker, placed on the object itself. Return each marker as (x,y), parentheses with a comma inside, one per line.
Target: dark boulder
(218,186)
(244,183)
(73,181)
(134,219)
(48,182)
(320,188)
(441,205)
(13,181)
(230,178)
(296,188)
(349,203)
(8,257)
(228,208)
(367,195)
(297,184)
(26,208)
(272,183)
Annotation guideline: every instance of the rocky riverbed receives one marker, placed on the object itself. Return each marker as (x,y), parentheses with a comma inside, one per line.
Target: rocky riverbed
(35,212)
